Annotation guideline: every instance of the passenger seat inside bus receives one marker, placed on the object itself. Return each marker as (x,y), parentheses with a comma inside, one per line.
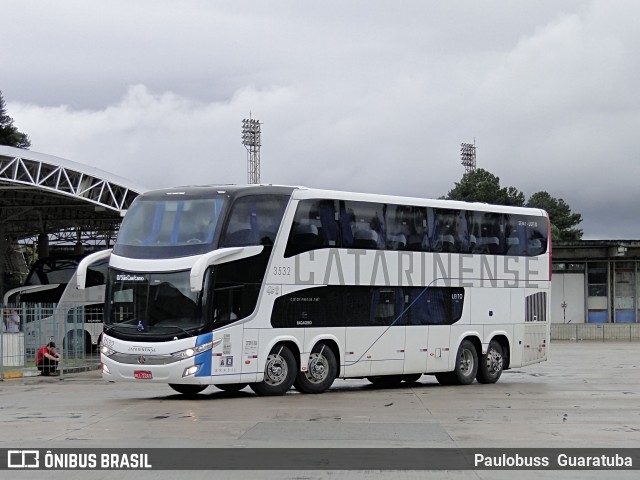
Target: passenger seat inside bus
(365,238)
(396,241)
(305,237)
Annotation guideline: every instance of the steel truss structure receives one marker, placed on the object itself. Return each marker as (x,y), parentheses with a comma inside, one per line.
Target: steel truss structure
(43,194)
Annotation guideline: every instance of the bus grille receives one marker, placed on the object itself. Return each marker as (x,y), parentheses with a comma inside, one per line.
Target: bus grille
(536,309)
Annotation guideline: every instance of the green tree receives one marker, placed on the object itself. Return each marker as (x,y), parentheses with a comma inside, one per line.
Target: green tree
(9,134)
(559,214)
(480,185)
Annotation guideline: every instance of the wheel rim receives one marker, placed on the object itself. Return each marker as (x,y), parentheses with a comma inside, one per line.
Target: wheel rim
(318,368)
(276,370)
(75,342)
(494,362)
(466,362)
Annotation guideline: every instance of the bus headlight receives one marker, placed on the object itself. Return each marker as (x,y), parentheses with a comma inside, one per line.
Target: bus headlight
(106,351)
(191,352)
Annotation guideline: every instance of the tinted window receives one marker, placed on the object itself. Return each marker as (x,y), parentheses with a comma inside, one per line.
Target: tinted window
(407,228)
(363,225)
(254,220)
(368,225)
(314,226)
(170,223)
(450,232)
(486,233)
(433,305)
(236,287)
(347,306)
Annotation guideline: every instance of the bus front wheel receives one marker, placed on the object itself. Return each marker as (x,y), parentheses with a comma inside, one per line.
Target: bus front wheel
(279,372)
(411,378)
(491,364)
(322,370)
(466,366)
(231,387)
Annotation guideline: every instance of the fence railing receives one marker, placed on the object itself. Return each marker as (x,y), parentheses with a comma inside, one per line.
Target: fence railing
(603,332)
(25,328)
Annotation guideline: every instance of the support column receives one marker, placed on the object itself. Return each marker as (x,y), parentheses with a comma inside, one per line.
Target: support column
(43,245)
(3,259)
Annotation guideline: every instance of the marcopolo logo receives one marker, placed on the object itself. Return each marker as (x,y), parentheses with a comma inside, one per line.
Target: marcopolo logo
(23,459)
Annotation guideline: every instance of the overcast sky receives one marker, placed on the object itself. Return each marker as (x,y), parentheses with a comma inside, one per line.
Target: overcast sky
(370,96)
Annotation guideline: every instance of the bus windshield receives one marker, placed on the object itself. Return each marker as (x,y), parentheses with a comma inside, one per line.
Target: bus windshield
(169,227)
(52,270)
(152,303)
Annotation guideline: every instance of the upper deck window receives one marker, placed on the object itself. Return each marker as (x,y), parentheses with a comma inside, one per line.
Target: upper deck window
(324,223)
(254,220)
(170,227)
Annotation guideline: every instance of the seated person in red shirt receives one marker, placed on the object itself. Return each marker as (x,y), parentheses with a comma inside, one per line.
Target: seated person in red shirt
(47,359)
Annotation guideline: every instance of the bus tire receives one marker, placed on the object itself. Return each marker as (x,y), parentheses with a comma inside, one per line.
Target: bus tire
(386,381)
(491,364)
(446,378)
(466,366)
(322,370)
(187,390)
(279,372)
(231,387)
(77,341)
(411,378)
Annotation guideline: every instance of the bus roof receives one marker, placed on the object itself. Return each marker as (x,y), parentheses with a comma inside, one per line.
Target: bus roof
(301,193)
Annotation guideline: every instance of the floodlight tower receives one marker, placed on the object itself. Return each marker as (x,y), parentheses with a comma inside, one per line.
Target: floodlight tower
(251,141)
(468,156)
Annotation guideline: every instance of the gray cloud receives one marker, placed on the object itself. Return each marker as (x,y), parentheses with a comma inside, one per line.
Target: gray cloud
(362,95)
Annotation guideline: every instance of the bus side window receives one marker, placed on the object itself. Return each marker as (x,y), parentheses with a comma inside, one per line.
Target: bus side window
(515,235)
(254,220)
(536,235)
(384,306)
(433,305)
(398,227)
(314,226)
(488,234)
(366,225)
(450,233)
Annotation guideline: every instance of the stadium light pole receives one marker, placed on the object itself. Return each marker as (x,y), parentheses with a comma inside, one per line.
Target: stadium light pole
(468,156)
(251,139)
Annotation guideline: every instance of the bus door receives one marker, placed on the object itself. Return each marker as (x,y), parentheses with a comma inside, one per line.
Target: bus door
(375,345)
(428,313)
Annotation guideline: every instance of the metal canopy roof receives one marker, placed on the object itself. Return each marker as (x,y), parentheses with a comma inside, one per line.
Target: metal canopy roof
(45,194)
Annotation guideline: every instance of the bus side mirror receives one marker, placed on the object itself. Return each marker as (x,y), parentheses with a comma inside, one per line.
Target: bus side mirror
(81,273)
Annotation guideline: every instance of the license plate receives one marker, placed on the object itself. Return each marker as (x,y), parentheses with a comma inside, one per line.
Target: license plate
(143,374)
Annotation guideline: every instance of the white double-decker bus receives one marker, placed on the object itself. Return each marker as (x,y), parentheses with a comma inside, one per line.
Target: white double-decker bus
(275,287)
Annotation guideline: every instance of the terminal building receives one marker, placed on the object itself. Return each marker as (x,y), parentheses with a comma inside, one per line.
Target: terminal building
(596,281)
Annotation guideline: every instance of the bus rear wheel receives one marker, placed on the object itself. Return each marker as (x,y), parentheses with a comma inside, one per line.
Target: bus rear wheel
(491,364)
(77,342)
(187,390)
(279,372)
(466,366)
(322,370)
